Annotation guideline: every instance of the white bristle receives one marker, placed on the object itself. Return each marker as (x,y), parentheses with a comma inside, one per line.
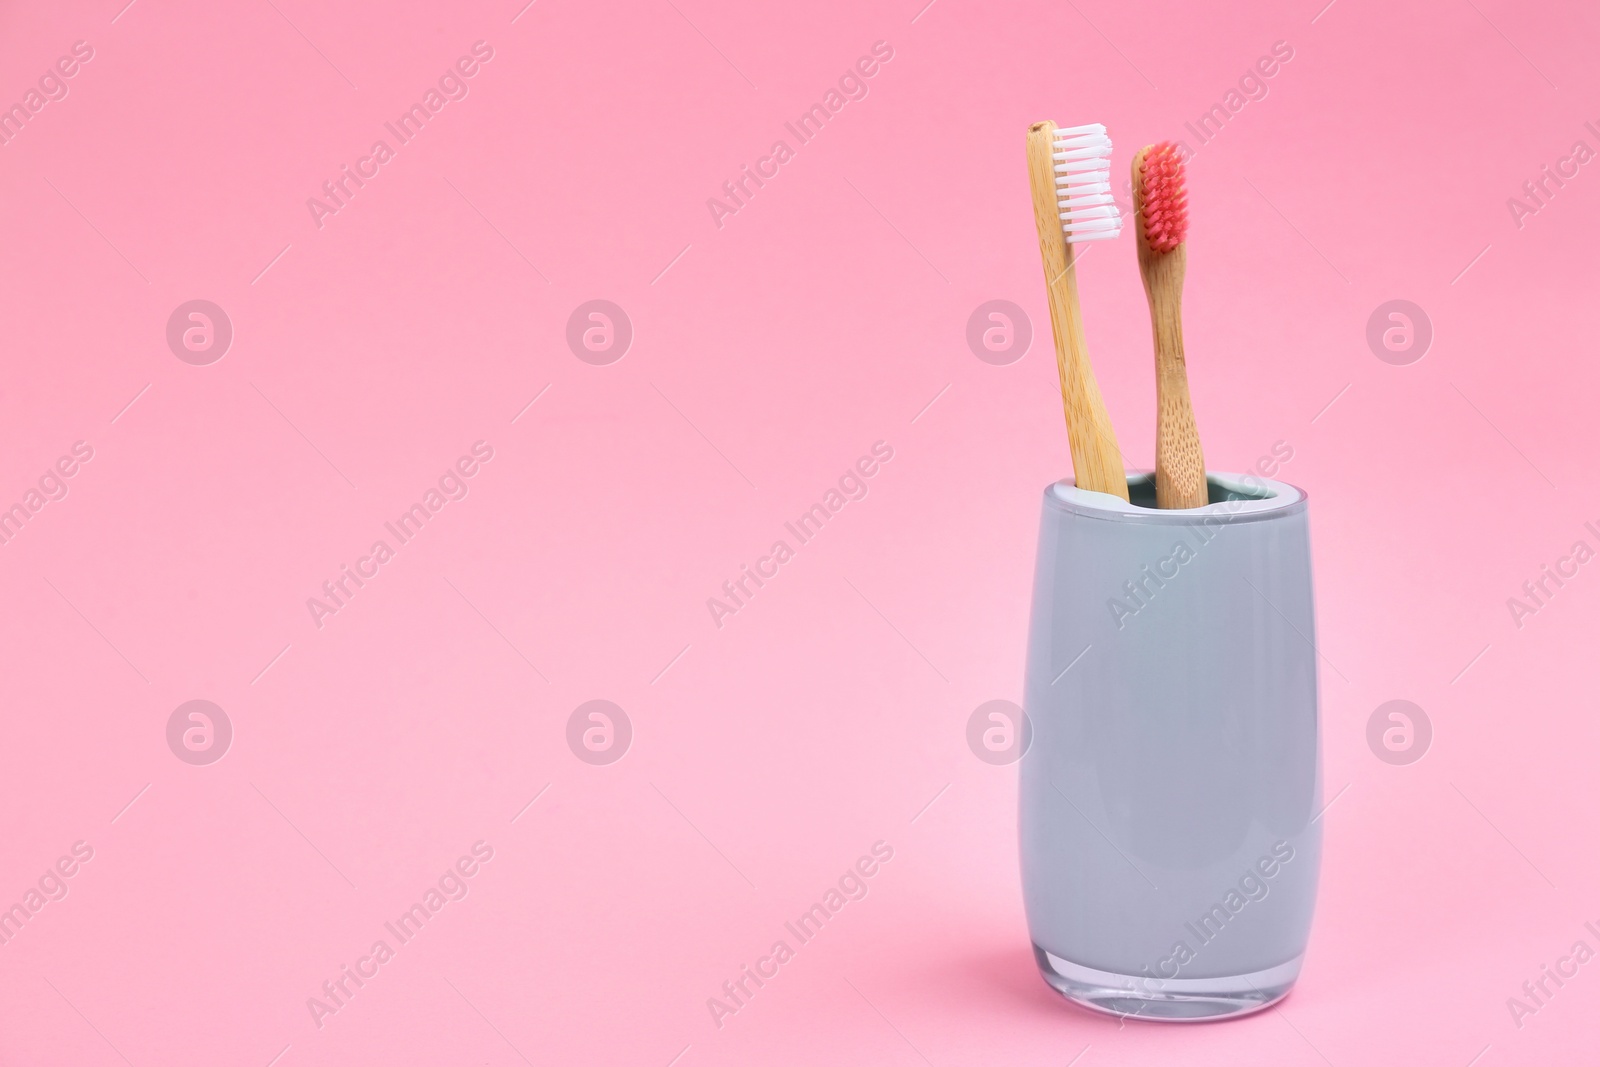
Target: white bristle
(1085,166)
(1083,184)
(1085,151)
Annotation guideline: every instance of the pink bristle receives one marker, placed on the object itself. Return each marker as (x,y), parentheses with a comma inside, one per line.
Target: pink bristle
(1166,206)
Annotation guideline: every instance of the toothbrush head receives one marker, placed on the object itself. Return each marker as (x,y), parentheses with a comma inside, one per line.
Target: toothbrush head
(1083,184)
(1164,205)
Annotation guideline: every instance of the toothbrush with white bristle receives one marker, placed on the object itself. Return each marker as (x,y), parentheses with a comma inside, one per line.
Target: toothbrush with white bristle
(1069,172)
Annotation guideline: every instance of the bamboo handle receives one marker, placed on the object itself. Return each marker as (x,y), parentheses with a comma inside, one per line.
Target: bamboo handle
(1096,459)
(1180,463)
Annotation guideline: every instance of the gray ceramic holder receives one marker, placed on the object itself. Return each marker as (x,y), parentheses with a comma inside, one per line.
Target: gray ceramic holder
(1172,787)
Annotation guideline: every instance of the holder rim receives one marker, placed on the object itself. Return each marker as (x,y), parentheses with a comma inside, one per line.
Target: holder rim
(1246,504)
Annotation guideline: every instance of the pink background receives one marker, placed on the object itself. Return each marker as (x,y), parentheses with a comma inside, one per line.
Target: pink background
(768,355)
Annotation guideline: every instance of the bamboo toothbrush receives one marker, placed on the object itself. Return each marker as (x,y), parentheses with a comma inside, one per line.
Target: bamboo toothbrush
(1161,221)
(1069,171)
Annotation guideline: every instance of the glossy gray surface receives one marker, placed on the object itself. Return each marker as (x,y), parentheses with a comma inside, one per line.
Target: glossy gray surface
(1168,798)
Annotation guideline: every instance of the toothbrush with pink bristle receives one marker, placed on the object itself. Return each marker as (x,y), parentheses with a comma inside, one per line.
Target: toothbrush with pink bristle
(1161,221)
